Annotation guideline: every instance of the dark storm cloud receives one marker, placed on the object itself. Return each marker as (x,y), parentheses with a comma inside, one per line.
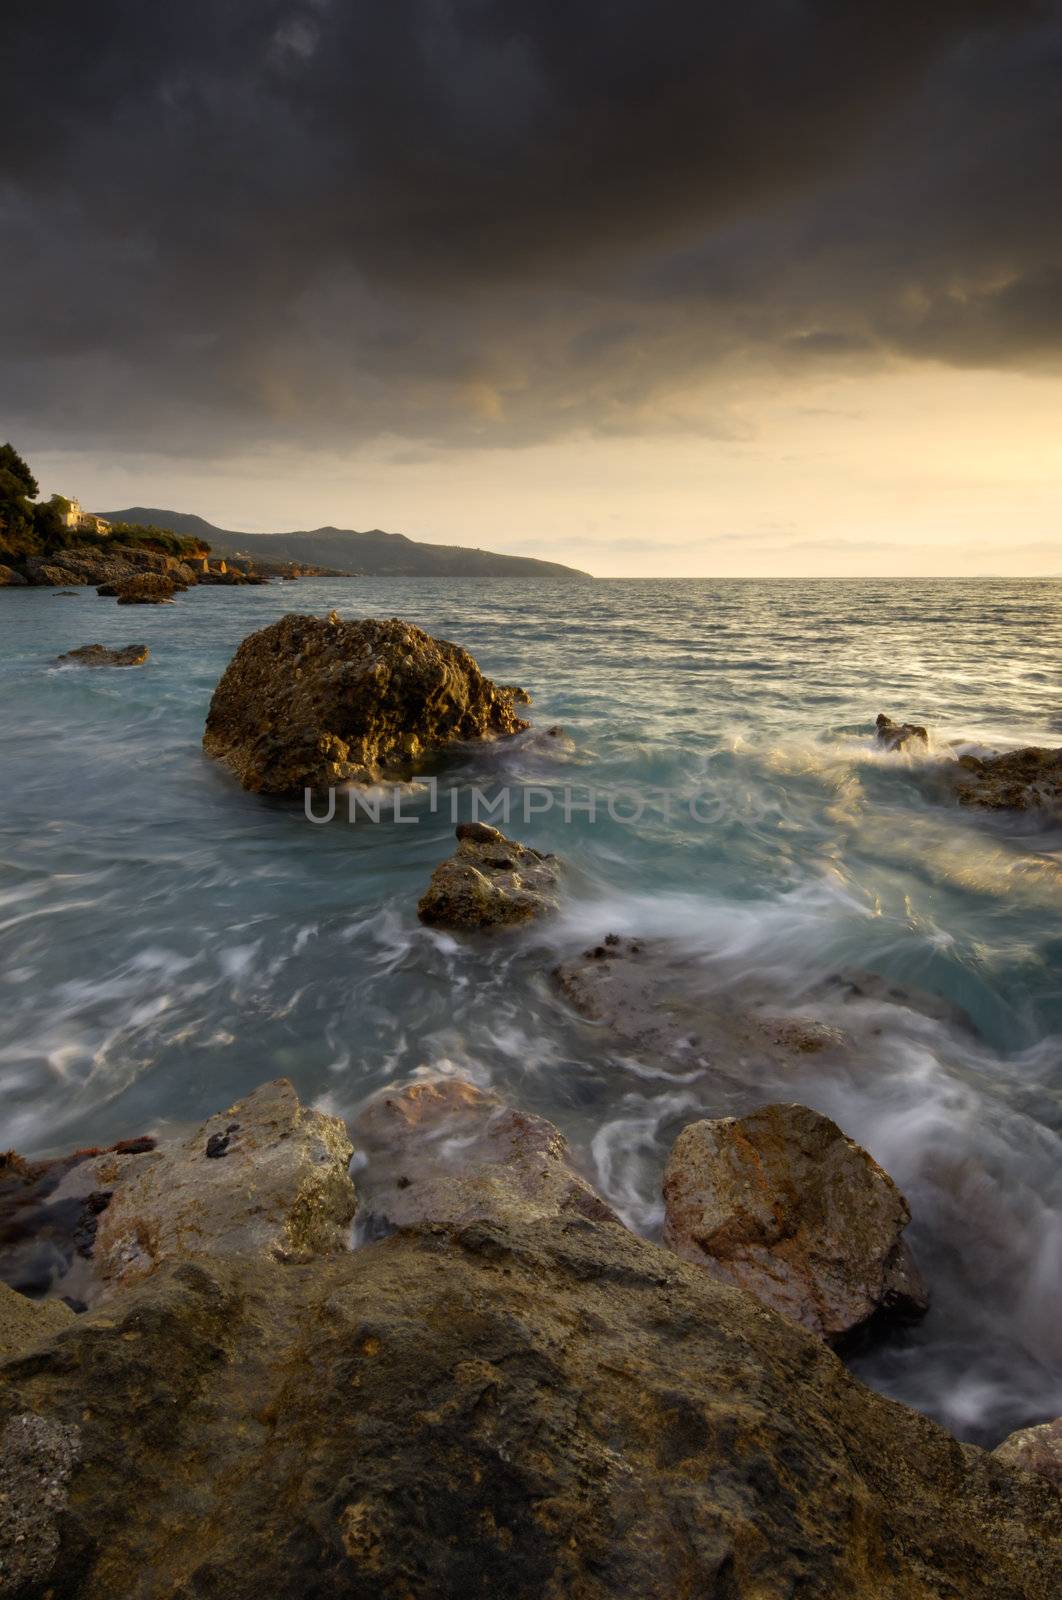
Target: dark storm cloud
(230,223)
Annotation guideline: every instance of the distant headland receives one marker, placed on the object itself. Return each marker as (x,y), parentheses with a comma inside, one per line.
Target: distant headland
(369,554)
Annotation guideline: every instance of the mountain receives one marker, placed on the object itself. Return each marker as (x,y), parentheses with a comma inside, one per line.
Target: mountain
(373,554)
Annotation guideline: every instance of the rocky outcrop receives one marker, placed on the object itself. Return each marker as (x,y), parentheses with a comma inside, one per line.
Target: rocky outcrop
(897,735)
(545,1409)
(25,1322)
(1021,780)
(1036,1449)
(782,1204)
(444,1151)
(265,1179)
(489,882)
(146,589)
(98,655)
(50,573)
(9,578)
(308,703)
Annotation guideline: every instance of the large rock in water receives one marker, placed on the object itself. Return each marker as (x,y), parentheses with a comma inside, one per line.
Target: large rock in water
(146,589)
(266,1178)
(784,1205)
(99,655)
(443,1150)
(489,882)
(1021,780)
(308,703)
(535,1410)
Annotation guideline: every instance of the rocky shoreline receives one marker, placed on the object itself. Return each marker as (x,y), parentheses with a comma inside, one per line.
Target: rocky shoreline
(419,1354)
(502,1392)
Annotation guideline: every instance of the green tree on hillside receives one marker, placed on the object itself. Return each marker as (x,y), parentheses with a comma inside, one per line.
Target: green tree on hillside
(18,489)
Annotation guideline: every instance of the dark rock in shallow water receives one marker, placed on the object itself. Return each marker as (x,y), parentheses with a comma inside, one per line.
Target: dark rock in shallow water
(309,703)
(146,589)
(489,882)
(547,1409)
(1037,1449)
(782,1204)
(98,655)
(895,735)
(1021,780)
(443,1151)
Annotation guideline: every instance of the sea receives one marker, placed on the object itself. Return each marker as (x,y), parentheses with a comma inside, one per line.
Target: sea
(703,761)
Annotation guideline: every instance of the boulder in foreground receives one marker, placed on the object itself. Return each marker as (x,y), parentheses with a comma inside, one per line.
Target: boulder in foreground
(1036,1449)
(98,655)
(489,882)
(897,735)
(267,1178)
(782,1204)
(444,1151)
(531,1410)
(309,703)
(1021,780)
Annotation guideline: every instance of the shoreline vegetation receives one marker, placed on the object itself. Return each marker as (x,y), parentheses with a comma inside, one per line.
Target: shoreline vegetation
(419,1354)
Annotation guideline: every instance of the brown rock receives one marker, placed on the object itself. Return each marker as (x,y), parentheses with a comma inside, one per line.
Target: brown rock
(9,578)
(536,1411)
(24,1322)
(147,588)
(1021,780)
(1036,1449)
(489,882)
(98,655)
(782,1204)
(266,1178)
(444,1151)
(307,703)
(895,735)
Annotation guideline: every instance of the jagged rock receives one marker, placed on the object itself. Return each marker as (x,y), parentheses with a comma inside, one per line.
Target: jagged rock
(489,882)
(147,588)
(1036,1449)
(444,1151)
(44,574)
(1021,780)
(308,703)
(267,1177)
(535,1411)
(9,578)
(895,735)
(24,1322)
(98,655)
(784,1205)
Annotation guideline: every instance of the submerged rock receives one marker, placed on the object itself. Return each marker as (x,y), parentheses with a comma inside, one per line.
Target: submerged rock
(543,1409)
(489,882)
(309,703)
(445,1151)
(1021,780)
(896,735)
(267,1177)
(1036,1449)
(784,1205)
(98,655)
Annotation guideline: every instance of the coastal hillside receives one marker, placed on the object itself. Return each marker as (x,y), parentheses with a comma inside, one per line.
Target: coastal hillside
(369,554)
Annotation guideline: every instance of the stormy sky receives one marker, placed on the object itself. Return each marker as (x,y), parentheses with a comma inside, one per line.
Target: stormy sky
(672,287)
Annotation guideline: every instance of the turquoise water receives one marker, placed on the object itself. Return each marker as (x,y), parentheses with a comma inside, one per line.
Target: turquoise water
(168,941)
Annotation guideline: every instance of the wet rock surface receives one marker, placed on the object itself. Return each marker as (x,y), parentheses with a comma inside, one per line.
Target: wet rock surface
(784,1205)
(1037,1449)
(546,1409)
(444,1151)
(308,703)
(268,1177)
(489,882)
(1021,780)
(98,655)
(898,735)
